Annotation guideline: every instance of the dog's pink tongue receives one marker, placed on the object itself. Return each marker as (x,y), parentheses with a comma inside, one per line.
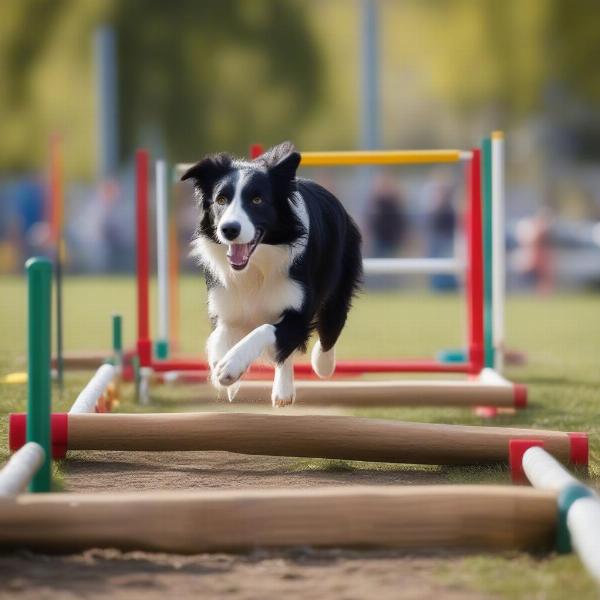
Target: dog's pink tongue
(238,253)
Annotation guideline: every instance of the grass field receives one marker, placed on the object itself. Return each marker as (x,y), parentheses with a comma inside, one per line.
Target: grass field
(561,336)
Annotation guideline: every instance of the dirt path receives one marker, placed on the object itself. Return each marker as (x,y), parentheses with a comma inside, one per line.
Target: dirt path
(94,471)
(298,573)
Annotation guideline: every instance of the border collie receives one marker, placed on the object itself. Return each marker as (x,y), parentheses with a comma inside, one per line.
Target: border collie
(281,257)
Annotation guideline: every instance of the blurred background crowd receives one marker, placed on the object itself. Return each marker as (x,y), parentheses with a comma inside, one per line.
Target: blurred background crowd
(185,78)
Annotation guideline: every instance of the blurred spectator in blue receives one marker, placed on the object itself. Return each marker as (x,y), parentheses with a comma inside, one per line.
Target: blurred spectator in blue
(441,220)
(386,219)
(23,230)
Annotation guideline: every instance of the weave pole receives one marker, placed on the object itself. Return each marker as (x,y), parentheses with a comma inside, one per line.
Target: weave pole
(144,344)
(56,196)
(475,265)
(488,248)
(162,258)
(39,302)
(499,248)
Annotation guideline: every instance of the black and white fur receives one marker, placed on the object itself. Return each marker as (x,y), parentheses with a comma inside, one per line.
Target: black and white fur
(282,258)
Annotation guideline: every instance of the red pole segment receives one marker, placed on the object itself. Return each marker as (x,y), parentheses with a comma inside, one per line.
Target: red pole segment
(256,150)
(346,367)
(144,344)
(475,265)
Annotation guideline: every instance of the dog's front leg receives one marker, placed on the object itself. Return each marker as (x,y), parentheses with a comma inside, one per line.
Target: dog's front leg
(218,344)
(284,393)
(236,362)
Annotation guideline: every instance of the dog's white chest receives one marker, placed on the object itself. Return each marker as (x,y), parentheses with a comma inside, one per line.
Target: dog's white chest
(257,295)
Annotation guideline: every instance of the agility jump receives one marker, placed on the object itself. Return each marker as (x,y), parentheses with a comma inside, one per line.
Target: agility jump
(485,347)
(492,517)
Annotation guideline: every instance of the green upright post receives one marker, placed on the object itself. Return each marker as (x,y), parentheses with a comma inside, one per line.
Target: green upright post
(117,339)
(39,287)
(486,183)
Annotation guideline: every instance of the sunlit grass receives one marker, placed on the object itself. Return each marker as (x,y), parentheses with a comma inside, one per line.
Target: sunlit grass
(560,335)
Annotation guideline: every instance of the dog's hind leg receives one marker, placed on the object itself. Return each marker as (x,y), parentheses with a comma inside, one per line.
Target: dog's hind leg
(283,393)
(322,361)
(332,316)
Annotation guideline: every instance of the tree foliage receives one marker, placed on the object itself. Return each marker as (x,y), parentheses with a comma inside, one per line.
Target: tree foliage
(196,75)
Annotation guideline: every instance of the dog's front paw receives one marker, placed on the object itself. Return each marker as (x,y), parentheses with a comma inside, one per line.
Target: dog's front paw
(283,393)
(280,401)
(231,367)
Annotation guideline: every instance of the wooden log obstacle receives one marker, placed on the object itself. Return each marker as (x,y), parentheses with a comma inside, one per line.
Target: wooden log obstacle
(315,436)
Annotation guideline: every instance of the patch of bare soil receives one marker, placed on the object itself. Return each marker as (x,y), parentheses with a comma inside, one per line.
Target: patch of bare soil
(298,573)
(301,573)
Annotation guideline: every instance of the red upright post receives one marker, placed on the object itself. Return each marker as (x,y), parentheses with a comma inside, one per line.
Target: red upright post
(144,345)
(475,266)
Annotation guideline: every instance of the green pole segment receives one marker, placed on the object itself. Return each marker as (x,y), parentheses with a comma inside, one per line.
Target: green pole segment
(566,498)
(135,363)
(39,300)
(117,339)
(161,349)
(486,183)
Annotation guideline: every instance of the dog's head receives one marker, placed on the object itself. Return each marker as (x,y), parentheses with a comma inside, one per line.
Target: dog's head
(245,203)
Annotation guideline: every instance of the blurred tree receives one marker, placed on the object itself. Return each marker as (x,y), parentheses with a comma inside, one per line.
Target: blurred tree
(193,76)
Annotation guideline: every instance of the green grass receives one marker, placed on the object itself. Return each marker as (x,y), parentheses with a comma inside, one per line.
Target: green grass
(561,336)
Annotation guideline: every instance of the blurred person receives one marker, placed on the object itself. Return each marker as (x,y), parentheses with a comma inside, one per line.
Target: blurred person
(11,246)
(534,257)
(441,220)
(117,228)
(386,219)
(86,231)
(28,197)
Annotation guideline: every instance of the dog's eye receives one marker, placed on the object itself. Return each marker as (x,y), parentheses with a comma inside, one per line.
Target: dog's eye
(257,200)
(221,200)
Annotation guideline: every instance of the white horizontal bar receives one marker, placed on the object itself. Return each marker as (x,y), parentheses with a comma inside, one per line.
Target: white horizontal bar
(583,522)
(88,398)
(20,469)
(492,377)
(545,472)
(412,265)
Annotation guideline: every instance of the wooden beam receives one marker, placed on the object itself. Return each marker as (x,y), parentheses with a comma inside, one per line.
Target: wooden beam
(409,517)
(384,393)
(322,436)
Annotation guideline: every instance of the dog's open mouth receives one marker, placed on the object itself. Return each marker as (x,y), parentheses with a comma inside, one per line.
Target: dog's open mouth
(238,255)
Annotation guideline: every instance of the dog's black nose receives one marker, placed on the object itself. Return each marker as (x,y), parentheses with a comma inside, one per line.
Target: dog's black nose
(231,230)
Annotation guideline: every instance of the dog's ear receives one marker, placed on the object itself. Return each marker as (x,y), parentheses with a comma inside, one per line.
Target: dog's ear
(210,169)
(282,162)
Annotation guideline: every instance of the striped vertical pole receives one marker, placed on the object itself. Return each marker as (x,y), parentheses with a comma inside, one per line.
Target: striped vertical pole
(486,191)
(162,259)
(499,245)
(475,266)
(39,301)
(144,345)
